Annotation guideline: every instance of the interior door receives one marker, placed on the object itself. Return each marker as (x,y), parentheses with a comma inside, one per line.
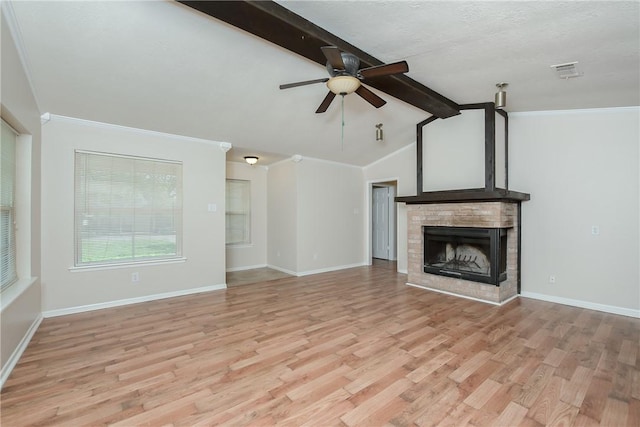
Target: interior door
(380,222)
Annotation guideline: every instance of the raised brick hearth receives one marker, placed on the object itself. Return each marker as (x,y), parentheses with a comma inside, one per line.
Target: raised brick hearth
(465,214)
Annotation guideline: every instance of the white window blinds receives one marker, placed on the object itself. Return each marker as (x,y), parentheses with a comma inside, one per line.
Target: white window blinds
(8,273)
(238,211)
(127,209)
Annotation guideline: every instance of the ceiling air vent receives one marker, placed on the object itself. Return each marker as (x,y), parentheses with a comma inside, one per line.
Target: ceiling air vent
(567,70)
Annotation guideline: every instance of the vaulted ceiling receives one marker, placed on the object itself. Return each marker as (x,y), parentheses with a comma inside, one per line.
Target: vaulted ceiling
(166,67)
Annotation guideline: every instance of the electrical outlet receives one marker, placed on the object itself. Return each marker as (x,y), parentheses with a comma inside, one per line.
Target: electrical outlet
(595,230)
(135,277)
(552,279)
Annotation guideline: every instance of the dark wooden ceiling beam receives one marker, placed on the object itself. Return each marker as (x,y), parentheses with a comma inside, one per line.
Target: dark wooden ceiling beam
(272,22)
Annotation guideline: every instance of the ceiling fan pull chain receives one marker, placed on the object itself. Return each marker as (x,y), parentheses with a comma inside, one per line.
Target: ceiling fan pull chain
(342,143)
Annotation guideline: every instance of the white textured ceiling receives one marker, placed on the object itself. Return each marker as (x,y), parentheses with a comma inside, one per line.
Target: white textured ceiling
(161,66)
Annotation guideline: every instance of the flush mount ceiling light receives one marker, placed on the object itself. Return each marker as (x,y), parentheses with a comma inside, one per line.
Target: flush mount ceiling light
(343,85)
(252,160)
(501,95)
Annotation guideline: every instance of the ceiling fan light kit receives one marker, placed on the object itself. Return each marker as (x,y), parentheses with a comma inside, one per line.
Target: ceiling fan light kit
(343,85)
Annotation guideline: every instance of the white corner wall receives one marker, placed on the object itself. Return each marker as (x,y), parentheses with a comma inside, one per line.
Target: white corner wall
(66,290)
(331,214)
(582,171)
(253,255)
(315,216)
(282,216)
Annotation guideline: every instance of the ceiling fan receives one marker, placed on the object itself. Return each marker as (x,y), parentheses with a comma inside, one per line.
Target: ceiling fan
(346,77)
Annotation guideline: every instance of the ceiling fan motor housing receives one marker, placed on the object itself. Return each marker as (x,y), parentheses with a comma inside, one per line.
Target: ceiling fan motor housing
(351,65)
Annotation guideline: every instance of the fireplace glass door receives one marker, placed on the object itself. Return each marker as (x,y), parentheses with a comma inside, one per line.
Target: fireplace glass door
(477,254)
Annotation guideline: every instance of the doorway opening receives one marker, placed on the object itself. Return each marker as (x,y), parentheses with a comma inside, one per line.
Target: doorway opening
(383,221)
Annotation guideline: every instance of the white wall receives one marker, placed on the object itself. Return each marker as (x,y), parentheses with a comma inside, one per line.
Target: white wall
(282,216)
(331,215)
(399,167)
(453,152)
(315,216)
(20,312)
(253,255)
(203,231)
(581,169)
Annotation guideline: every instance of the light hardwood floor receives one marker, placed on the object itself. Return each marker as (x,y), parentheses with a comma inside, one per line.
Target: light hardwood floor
(355,347)
(256,275)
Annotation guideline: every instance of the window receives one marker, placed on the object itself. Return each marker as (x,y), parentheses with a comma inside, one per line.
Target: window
(8,273)
(238,212)
(127,209)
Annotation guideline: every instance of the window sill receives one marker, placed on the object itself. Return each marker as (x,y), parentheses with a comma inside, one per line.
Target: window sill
(96,267)
(239,245)
(13,291)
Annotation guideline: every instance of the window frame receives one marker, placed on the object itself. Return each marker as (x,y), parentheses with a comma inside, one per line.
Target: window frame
(79,217)
(245,212)
(10,208)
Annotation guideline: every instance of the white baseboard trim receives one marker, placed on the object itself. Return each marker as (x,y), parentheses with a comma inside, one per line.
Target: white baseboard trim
(248,267)
(464,296)
(321,270)
(583,304)
(284,270)
(17,353)
(328,269)
(136,300)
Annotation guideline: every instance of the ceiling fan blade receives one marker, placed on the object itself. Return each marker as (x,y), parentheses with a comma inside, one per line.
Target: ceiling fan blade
(307,82)
(334,57)
(325,102)
(370,97)
(385,69)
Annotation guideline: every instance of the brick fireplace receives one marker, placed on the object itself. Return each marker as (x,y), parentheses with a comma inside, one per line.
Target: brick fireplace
(465,214)
(494,208)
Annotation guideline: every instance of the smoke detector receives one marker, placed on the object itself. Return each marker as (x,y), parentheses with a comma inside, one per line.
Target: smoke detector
(567,70)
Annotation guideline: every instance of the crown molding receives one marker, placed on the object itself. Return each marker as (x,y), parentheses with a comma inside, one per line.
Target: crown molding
(223,145)
(14,29)
(394,153)
(601,110)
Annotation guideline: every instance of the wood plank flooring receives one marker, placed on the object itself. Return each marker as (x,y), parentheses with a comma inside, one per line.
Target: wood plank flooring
(350,348)
(249,277)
